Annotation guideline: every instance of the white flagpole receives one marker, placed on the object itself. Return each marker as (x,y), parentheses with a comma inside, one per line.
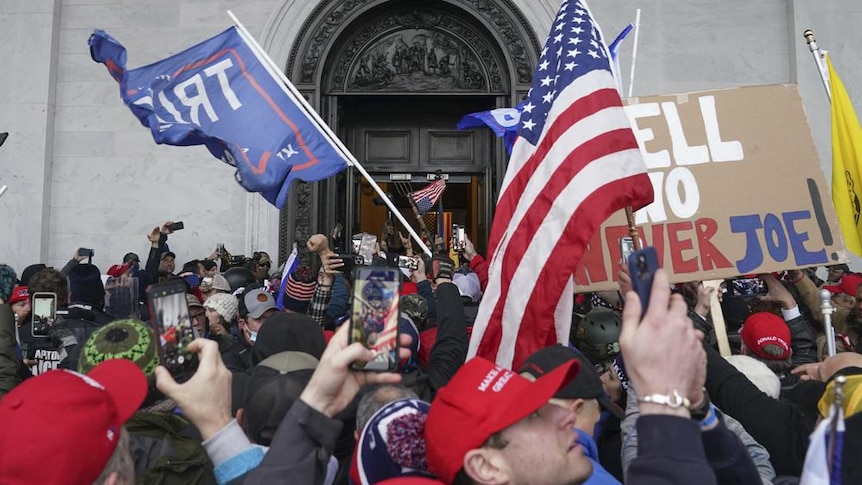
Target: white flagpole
(818,60)
(634,52)
(277,73)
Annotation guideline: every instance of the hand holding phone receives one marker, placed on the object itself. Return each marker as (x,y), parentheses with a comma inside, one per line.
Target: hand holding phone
(173,325)
(375,315)
(44,314)
(348,262)
(642,267)
(176,226)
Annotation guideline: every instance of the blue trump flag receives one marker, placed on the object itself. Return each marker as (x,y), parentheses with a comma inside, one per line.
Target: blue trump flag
(219,93)
(502,121)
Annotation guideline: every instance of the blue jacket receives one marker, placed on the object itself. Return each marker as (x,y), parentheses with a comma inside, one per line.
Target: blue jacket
(600,476)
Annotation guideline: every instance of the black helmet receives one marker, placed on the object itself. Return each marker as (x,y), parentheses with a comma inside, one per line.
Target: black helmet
(598,334)
(239,277)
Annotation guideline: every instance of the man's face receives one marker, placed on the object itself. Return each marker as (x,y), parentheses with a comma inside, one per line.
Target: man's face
(199,318)
(250,325)
(21,309)
(835,274)
(542,449)
(167,265)
(262,267)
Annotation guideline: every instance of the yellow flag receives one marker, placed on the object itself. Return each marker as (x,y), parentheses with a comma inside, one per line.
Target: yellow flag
(846,163)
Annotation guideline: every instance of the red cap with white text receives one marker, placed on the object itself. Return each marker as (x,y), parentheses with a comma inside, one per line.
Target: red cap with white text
(62,426)
(481,399)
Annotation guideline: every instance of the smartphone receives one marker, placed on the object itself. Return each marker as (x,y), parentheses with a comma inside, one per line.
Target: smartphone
(44,313)
(748,287)
(367,247)
(172,324)
(86,253)
(220,249)
(176,226)
(627,247)
(459,238)
(408,262)
(350,261)
(375,313)
(642,267)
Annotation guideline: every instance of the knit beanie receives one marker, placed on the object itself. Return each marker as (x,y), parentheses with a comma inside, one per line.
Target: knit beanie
(121,339)
(224,304)
(392,444)
(85,285)
(7,281)
(299,290)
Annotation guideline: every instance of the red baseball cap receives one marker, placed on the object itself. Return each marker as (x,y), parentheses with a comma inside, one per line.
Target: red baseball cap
(117,270)
(764,328)
(19,293)
(481,399)
(62,426)
(848,284)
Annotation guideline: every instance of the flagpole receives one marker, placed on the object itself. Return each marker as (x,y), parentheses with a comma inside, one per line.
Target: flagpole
(633,228)
(634,54)
(838,403)
(818,59)
(277,73)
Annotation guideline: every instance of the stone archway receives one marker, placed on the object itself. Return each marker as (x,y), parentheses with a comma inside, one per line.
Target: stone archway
(319,63)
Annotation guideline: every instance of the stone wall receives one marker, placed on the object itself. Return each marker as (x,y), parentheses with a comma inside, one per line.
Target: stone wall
(83,172)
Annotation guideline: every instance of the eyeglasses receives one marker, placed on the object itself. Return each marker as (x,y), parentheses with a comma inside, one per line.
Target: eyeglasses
(197,315)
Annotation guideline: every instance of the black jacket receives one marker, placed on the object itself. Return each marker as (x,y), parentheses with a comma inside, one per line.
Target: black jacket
(9,375)
(300,449)
(74,326)
(235,354)
(450,349)
(670,452)
(781,428)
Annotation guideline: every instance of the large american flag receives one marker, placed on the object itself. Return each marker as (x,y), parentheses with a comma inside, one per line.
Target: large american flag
(575,162)
(427,196)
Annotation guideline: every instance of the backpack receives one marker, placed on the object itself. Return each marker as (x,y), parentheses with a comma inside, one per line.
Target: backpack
(165,452)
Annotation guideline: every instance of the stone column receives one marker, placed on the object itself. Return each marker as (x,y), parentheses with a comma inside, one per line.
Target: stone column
(30,30)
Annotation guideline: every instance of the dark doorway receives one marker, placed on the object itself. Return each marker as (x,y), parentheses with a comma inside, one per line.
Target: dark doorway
(410,139)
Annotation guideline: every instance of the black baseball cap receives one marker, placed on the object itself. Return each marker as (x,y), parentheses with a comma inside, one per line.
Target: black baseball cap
(131,258)
(275,384)
(587,384)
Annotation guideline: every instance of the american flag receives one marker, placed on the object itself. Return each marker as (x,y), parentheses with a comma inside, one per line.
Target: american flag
(575,162)
(426,198)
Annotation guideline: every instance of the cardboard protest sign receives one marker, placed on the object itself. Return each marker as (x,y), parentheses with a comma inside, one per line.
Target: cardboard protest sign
(738,189)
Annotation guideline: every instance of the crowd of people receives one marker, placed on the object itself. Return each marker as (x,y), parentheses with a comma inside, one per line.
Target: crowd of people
(639,394)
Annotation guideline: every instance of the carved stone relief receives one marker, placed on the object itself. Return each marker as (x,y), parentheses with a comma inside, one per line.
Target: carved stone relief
(418,60)
(515,41)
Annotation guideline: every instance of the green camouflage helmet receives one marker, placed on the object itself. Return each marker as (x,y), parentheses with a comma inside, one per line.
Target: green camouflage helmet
(598,335)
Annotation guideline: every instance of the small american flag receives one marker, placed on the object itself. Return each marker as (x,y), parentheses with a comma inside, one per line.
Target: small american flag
(576,161)
(427,197)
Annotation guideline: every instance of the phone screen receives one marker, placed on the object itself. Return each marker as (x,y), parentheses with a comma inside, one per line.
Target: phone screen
(749,287)
(44,313)
(375,316)
(173,325)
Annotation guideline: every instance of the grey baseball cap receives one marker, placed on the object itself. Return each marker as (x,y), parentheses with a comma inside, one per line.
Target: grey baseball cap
(257,301)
